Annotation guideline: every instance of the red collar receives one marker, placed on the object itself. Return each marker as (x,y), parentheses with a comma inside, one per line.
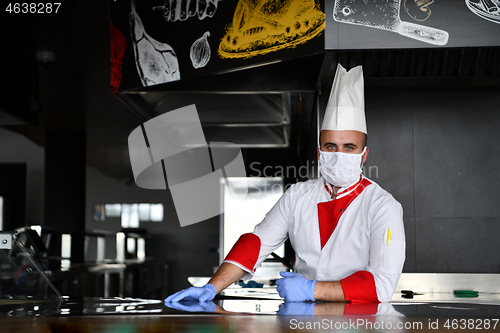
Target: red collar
(343,191)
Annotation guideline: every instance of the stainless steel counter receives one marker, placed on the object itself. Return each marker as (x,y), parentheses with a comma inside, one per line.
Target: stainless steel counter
(261,309)
(432,312)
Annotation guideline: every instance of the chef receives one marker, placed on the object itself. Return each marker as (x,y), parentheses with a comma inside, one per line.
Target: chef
(347,232)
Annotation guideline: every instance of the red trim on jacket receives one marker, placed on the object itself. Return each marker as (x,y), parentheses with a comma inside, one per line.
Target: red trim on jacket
(329,212)
(328,189)
(360,288)
(353,186)
(245,251)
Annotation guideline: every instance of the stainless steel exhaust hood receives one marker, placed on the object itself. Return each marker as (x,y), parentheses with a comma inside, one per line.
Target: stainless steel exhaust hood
(250,107)
(248,120)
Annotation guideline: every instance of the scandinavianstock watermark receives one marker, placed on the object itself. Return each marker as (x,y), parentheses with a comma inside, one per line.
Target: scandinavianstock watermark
(308,170)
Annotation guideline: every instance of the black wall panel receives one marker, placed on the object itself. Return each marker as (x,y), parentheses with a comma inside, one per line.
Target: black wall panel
(390,140)
(457,245)
(411,254)
(456,155)
(437,153)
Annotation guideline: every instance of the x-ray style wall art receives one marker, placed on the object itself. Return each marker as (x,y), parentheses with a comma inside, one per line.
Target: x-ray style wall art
(200,51)
(156,62)
(486,9)
(419,10)
(261,27)
(385,15)
(118,45)
(199,38)
(181,10)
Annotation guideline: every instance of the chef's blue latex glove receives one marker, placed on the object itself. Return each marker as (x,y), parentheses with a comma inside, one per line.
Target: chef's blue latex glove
(296,309)
(201,294)
(295,288)
(192,306)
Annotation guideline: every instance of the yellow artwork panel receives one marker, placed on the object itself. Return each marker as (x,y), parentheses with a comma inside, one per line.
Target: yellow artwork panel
(263,26)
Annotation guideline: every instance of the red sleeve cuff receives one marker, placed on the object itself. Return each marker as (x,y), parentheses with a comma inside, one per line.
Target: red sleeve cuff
(245,251)
(360,288)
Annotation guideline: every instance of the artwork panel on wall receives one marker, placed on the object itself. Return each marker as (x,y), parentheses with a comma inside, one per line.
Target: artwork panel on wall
(169,40)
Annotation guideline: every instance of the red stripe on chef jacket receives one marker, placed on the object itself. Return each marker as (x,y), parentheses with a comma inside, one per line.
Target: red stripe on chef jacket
(245,251)
(360,288)
(329,212)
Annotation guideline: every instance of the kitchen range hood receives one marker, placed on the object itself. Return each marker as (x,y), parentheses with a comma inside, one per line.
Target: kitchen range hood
(250,107)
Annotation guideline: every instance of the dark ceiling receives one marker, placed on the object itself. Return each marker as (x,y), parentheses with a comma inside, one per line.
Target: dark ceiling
(74,92)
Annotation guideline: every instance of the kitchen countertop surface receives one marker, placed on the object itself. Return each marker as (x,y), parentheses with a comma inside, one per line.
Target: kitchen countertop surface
(252,310)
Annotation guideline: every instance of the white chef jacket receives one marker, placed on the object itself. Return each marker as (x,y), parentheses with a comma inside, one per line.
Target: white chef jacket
(356,238)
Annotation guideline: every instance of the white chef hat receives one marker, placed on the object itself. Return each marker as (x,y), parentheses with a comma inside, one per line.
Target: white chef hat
(346,106)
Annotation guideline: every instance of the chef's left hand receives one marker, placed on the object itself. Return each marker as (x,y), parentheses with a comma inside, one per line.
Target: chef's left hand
(192,306)
(295,288)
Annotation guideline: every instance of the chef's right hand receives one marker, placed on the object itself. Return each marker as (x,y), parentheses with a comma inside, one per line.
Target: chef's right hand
(202,294)
(293,287)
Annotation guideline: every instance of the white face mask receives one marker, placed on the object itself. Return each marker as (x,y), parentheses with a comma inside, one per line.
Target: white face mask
(340,169)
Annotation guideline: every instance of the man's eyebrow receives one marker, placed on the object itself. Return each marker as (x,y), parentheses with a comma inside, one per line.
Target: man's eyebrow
(344,144)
